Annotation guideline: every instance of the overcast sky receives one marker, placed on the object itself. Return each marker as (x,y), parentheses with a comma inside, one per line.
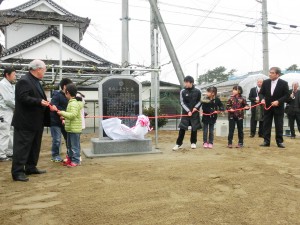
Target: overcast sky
(209,33)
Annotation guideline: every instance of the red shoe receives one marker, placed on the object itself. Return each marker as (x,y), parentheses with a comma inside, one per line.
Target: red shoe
(71,164)
(66,161)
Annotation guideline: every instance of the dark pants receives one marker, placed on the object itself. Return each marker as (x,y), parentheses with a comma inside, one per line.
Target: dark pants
(208,130)
(292,118)
(253,125)
(26,150)
(181,137)
(240,126)
(278,120)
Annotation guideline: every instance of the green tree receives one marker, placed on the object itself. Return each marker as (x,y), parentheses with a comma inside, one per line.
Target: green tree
(293,67)
(218,74)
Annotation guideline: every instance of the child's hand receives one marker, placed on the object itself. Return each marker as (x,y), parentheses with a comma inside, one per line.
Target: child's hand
(231,110)
(53,108)
(63,122)
(190,113)
(247,107)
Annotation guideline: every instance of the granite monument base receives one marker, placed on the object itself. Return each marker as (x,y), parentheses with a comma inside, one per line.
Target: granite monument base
(106,147)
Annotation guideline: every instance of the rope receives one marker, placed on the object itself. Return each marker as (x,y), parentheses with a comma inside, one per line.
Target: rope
(184,115)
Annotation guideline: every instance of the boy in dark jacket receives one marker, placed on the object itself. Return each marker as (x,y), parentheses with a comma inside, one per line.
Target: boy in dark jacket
(56,126)
(210,107)
(190,103)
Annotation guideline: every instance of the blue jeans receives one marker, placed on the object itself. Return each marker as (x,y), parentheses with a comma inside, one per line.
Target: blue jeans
(73,145)
(208,130)
(56,133)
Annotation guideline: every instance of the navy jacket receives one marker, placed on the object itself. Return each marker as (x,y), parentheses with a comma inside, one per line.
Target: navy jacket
(61,102)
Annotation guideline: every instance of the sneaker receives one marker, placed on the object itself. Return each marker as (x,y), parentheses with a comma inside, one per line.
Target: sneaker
(5,159)
(71,164)
(239,146)
(210,145)
(66,161)
(176,147)
(56,159)
(205,145)
(229,145)
(193,146)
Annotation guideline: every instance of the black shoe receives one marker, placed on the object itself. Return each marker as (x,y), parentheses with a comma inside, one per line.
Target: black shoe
(280,145)
(265,144)
(252,135)
(5,159)
(293,137)
(36,171)
(20,177)
(260,135)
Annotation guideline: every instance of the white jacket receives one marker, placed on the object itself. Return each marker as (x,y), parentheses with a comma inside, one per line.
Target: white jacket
(7,95)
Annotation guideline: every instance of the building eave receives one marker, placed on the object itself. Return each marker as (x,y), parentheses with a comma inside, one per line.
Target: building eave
(53,32)
(9,16)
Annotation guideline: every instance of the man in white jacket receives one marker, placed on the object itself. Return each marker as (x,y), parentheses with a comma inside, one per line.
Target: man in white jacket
(7,106)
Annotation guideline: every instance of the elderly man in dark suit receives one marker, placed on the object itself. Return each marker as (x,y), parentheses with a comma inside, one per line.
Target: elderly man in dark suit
(274,92)
(31,115)
(256,112)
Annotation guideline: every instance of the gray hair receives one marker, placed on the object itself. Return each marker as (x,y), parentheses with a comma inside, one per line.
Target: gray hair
(295,83)
(36,64)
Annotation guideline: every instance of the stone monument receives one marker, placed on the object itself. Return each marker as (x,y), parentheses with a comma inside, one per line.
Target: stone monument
(119,96)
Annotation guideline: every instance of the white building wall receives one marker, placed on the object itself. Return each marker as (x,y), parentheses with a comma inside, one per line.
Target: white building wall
(50,51)
(17,33)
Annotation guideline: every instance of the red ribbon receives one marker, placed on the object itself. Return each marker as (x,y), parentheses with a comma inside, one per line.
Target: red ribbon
(180,115)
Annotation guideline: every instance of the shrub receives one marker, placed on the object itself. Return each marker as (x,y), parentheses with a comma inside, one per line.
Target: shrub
(150,112)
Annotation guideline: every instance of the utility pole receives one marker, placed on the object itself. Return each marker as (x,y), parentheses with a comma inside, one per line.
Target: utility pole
(154,52)
(125,36)
(167,41)
(60,50)
(265,37)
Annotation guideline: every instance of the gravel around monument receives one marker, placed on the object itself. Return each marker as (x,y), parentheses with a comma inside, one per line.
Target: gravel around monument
(248,186)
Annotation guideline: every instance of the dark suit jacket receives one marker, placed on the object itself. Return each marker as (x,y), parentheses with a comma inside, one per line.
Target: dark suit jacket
(252,95)
(281,93)
(29,113)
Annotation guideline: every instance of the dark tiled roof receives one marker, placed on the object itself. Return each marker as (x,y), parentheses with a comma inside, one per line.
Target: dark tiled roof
(52,31)
(10,15)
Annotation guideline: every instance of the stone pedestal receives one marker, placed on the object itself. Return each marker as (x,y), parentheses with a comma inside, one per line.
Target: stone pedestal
(105,147)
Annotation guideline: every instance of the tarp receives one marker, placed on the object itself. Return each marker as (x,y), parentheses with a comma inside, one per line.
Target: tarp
(250,82)
(290,78)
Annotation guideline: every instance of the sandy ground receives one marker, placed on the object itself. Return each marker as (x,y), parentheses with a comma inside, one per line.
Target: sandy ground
(253,185)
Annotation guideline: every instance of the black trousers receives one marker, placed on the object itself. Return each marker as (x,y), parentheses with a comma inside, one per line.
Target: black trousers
(292,118)
(253,125)
(240,127)
(181,137)
(278,121)
(26,150)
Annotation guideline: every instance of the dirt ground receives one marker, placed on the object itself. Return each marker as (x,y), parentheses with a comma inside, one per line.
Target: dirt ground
(253,185)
